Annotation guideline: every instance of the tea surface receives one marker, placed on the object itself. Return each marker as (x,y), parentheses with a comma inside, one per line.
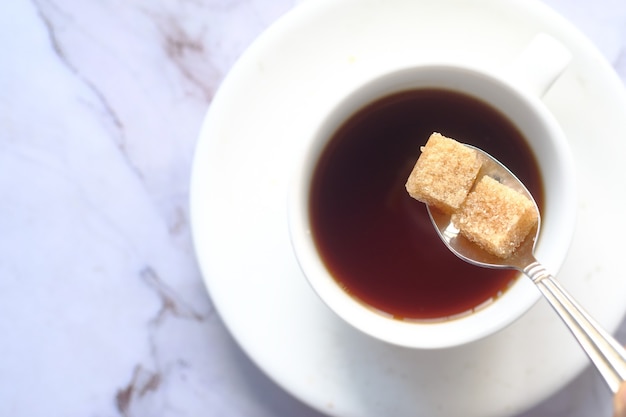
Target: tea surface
(377,242)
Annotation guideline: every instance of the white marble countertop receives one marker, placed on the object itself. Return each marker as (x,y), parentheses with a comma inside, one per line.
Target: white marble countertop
(102,307)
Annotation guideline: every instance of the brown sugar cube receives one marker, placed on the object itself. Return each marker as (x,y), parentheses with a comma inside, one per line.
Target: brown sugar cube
(444,173)
(495,217)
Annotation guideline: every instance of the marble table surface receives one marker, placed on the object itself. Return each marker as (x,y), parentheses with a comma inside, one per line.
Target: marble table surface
(103,311)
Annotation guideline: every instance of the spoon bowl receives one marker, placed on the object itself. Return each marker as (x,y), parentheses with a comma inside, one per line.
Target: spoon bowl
(603,350)
(469,251)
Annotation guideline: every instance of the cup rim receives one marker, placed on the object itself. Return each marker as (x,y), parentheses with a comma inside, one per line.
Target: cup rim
(507,308)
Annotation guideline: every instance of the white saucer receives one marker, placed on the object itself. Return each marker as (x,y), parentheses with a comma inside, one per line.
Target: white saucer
(239,221)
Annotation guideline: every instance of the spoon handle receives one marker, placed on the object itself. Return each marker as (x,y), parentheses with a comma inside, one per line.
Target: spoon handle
(603,350)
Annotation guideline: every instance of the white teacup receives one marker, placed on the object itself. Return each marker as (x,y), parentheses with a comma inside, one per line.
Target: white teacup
(516,92)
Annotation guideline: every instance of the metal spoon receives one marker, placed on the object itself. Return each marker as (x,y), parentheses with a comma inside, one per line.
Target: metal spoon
(603,350)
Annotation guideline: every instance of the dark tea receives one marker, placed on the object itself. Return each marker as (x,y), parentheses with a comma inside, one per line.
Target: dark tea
(375,240)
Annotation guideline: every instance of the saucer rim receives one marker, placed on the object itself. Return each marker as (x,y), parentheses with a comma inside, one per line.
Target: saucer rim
(198,204)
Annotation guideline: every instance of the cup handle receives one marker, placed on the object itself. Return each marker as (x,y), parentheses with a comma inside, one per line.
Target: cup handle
(540,64)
